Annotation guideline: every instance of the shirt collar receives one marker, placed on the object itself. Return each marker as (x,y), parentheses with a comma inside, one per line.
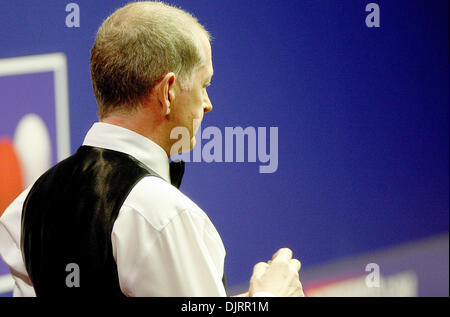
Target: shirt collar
(113,137)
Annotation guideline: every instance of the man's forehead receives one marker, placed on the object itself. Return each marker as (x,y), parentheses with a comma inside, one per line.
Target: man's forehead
(205,46)
(208,68)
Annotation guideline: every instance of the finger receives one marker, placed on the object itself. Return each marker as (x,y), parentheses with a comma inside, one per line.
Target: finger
(300,292)
(284,254)
(259,269)
(295,265)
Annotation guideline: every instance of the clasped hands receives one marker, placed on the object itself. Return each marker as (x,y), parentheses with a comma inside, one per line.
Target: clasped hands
(279,277)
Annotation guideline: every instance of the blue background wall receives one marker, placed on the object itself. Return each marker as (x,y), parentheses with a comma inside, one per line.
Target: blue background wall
(362,115)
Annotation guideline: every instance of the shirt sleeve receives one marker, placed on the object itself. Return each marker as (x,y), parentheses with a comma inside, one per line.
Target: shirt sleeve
(183,258)
(10,252)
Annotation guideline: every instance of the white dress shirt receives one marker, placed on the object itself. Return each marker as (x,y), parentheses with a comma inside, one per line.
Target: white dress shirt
(163,243)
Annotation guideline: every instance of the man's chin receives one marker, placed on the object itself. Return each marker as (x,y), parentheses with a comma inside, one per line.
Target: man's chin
(185,149)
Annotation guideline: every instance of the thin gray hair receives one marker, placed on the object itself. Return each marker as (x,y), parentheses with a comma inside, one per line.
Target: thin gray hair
(138,45)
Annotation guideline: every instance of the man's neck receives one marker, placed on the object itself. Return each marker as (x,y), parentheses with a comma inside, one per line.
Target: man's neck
(134,123)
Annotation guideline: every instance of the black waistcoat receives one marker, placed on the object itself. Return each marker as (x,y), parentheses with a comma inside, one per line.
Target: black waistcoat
(67,220)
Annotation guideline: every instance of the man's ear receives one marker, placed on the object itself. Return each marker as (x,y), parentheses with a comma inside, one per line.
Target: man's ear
(166,92)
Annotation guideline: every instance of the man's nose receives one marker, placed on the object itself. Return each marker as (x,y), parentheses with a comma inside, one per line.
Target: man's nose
(207,105)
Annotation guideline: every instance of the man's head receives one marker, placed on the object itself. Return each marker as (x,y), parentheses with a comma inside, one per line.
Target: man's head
(150,65)
(138,45)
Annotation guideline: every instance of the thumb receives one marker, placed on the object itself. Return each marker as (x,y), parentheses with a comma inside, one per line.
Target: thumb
(259,269)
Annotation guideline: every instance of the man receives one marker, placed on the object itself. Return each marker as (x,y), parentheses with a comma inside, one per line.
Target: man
(107,221)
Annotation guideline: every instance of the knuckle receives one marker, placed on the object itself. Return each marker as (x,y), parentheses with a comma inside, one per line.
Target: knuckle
(286,250)
(297,263)
(284,262)
(260,265)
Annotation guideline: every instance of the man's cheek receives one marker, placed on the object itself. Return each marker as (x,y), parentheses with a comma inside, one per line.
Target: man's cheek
(196,125)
